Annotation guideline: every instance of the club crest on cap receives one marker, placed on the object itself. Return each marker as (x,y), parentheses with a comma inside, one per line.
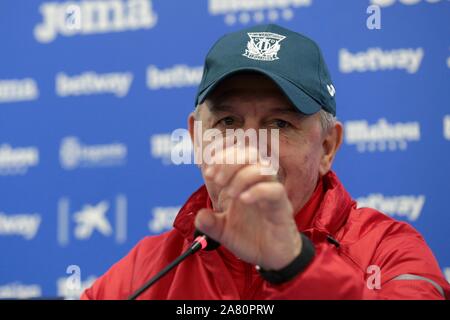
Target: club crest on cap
(263,46)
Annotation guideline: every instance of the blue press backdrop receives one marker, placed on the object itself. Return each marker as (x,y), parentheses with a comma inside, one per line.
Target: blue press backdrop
(90,92)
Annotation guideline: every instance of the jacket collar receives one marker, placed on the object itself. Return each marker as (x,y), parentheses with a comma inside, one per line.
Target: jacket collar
(325,212)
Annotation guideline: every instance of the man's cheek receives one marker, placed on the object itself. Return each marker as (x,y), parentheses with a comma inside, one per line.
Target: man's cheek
(300,171)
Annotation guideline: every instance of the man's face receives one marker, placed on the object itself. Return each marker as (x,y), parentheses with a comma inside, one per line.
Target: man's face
(252,101)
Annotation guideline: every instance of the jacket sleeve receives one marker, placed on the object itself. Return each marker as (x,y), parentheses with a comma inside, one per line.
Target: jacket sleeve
(327,277)
(408,268)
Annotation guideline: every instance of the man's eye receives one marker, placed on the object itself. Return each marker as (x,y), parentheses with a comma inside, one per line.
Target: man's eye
(281,124)
(227,121)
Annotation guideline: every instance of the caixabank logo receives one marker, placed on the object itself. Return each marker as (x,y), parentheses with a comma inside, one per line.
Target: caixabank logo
(255,11)
(71,18)
(80,221)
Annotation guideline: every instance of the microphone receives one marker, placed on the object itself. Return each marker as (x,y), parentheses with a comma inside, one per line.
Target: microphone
(201,242)
(210,243)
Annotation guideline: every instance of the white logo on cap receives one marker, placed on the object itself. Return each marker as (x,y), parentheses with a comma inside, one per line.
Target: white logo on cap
(331,90)
(263,46)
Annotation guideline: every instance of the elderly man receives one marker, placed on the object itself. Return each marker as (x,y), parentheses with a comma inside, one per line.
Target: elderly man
(294,233)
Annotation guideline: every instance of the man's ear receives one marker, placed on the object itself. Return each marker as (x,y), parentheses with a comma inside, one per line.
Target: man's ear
(191,120)
(194,136)
(331,143)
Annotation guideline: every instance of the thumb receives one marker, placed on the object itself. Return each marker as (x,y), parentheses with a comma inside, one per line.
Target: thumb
(210,223)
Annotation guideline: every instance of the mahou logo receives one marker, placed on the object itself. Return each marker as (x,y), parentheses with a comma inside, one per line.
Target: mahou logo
(93,17)
(381,136)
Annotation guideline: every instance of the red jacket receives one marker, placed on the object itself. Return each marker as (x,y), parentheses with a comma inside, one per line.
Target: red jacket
(365,237)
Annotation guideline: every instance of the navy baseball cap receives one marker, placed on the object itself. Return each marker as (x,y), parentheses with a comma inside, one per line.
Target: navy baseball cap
(293,61)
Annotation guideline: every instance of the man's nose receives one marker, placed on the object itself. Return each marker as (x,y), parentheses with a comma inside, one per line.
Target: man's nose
(253,124)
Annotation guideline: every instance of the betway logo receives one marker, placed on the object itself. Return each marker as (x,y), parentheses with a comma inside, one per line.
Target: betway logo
(388,3)
(381,136)
(90,82)
(93,17)
(376,59)
(174,77)
(447,127)
(25,225)
(162,219)
(17,290)
(14,90)
(256,11)
(17,160)
(408,206)
(73,154)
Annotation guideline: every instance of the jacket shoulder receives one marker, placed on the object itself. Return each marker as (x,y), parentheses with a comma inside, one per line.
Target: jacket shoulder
(369,222)
(370,234)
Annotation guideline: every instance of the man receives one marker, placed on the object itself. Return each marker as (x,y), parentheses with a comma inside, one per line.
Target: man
(294,233)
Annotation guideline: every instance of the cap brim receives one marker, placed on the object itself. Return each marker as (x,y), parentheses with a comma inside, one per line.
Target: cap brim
(301,100)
